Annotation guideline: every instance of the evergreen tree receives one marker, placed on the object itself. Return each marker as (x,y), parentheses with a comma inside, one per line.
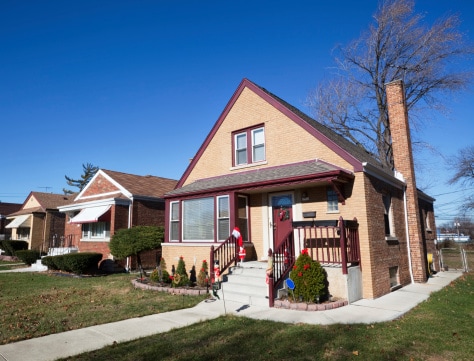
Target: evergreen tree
(89,171)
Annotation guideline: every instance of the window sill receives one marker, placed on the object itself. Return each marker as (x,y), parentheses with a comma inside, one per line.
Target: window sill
(243,166)
(95,239)
(332,212)
(391,240)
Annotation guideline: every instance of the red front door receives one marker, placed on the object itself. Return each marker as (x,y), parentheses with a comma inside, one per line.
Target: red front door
(282,217)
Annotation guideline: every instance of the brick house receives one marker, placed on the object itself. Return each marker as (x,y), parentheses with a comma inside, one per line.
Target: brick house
(272,171)
(111,201)
(38,220)
(6,209)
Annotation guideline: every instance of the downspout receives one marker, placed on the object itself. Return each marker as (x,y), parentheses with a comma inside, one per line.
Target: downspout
(130,211)
(410,267)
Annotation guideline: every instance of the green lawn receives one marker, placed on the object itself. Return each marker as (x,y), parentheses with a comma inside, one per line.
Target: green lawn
(32,305)
(8,265)
(37,304)
(441,328)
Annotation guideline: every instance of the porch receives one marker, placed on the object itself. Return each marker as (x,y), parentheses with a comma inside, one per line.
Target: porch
(334,244)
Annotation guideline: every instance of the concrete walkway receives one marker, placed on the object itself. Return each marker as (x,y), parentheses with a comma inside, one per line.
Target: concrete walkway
(75,342)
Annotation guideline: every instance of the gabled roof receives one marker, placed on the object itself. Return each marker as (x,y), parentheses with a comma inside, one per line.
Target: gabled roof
(352,153)
(128,186)
(301,172)
(145,186)
(46,201)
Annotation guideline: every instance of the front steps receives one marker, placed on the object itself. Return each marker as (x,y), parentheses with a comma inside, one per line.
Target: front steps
(245,283)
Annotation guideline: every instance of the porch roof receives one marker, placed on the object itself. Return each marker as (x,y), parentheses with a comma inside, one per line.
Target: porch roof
(90,215)
(309,171)
(19,221)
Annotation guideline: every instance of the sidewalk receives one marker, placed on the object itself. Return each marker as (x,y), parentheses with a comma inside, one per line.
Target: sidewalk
(74,342)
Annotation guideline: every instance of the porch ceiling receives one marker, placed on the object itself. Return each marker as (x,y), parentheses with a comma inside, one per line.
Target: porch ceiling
(314,171)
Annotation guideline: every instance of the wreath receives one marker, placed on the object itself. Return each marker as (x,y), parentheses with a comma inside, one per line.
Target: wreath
(177,279)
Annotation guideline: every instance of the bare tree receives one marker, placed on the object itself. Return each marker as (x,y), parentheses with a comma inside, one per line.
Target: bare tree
(463,166)
(396,46)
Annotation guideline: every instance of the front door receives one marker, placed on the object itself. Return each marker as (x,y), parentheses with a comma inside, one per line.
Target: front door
(282,213)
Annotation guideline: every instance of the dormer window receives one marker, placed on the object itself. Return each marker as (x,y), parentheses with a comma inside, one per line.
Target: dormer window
(249,146)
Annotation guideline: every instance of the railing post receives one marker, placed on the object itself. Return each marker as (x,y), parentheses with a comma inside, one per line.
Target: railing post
(271,292)
(343,245)
(211,264)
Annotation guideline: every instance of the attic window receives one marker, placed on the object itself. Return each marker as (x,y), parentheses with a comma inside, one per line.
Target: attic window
(248,146)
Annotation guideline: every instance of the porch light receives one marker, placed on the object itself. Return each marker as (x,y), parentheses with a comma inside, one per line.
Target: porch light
(304,196)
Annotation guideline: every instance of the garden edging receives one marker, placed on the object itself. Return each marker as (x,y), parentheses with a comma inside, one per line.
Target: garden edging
(175,290)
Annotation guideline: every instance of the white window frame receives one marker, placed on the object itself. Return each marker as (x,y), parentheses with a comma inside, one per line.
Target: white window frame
(256,146)
(254,143)
(222,217)
(332,201)
(90,234)
(388,215)
(203,232)
(174,220)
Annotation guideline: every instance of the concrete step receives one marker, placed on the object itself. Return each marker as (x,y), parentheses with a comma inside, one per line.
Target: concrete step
(245,283)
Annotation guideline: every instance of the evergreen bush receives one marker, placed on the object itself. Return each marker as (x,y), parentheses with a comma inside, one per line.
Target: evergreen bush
(165,276)
(181,277)
(202,278)
(310,279)
(28,256)
(11,247)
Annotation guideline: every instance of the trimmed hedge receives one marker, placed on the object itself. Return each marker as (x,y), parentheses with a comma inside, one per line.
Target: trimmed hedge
(11,247)
(79,263)
(28,256)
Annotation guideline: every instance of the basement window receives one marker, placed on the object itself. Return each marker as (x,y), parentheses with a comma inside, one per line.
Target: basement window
(394,278)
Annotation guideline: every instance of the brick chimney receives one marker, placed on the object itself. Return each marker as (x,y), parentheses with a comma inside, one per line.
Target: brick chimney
(403,162)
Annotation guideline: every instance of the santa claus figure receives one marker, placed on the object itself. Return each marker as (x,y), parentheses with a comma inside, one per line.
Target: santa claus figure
(238,236)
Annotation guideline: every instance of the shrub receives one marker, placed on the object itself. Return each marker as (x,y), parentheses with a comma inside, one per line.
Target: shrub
(11,247)
(310,279)
(49,262)
(202,278)
(181,277)
(28,256)
(155,275)
(78,263)
(82,262)
(165,276)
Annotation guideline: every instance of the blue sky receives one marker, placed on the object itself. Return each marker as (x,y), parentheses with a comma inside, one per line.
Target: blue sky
(135,86)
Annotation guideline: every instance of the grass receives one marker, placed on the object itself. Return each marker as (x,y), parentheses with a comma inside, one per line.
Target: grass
(38,304)
(8,265)
(439,329)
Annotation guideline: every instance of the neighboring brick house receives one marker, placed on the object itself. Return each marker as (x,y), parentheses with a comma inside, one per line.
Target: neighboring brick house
(112,201)
(38,221)
(265,165)
(6,209)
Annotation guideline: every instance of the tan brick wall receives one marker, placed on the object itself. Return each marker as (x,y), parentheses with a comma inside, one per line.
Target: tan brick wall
(193,254)
(286,142)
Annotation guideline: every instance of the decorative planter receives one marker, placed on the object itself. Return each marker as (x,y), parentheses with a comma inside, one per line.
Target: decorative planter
(303,306)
